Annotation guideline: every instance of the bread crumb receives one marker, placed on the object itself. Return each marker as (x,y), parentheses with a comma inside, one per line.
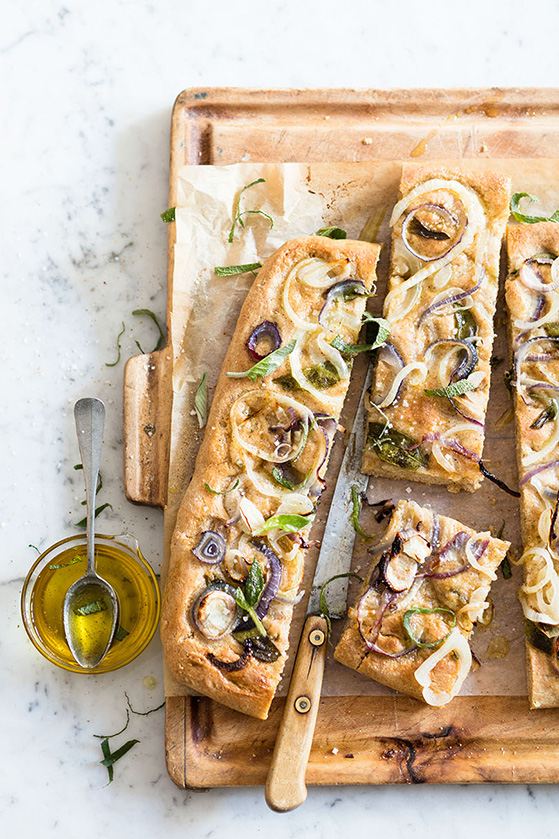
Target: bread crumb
(367,141)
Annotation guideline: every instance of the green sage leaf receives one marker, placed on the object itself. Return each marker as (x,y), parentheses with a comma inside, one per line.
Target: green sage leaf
(523,217)
(455,389)
(332,233)
(266,365)
(201,402)
(153,316)
(232,270)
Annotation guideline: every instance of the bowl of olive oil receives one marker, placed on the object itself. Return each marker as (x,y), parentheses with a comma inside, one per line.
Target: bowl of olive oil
(120,561)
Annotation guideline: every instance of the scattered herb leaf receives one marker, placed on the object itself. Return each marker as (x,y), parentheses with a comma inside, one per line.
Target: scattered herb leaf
(395,447)
(120,633)
(107,754)
(505,568)
(356,503)
(110,758)
(35,548)
(324,611)
(168,215)
(332,232)
(454,389)
(254,584)
(548,414)
(122,730)
(83,522)
(417,610)
(245,605)
(201,402)
(552,329)
(238,215)
(53,566)
(280,479)
(520,216)
(289,523)
(264,649)
(223,492)
(352,349)
(142,713)
(267,365)
(233,270)
(118,347)
(153,316)
(90,608)
(99,485)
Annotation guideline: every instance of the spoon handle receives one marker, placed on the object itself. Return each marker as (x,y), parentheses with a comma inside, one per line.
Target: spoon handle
(90,423)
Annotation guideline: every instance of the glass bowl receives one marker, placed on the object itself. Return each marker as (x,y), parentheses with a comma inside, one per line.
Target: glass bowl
(120,561)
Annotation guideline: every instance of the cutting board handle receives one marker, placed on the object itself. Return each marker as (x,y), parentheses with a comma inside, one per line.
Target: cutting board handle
(147,421)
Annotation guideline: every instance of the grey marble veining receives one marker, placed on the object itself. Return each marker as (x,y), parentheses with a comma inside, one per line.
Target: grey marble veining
(86,91)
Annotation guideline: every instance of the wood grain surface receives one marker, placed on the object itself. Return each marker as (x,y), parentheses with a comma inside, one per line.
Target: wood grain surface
(358,740)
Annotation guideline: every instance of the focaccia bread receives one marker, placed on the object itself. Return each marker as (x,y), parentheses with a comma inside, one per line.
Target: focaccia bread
(237,552)
(447,232)
(532,293)
(428,585)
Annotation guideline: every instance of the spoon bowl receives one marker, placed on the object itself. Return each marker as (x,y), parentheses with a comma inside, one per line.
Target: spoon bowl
(90,610)
(90,618)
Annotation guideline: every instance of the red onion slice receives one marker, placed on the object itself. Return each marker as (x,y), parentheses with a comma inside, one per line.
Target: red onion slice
(449,551)
(533,472)
(437,208)
(453,299)
(232,666)
(457,447)
(355,288)
(389,355)
(466,366)
(266,329)
(274,578)
(386,598)
(211,547)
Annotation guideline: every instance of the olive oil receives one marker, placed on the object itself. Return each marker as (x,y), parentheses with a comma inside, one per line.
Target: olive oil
(90,623)
(138,598)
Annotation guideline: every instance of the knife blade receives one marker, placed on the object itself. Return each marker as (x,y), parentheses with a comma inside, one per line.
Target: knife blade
(285,785)
(336,548)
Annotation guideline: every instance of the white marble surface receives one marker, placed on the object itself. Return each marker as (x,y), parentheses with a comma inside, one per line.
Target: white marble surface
(87,88)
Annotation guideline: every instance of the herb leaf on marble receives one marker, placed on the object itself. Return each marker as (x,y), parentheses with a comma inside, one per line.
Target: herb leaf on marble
(153,316)
(118,337)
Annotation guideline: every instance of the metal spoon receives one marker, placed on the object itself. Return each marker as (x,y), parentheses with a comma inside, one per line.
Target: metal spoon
(90,609)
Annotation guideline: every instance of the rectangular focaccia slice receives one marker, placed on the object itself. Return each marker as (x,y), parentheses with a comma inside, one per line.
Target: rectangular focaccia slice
(259,473)
(410,626)
(532,294)
(447,232)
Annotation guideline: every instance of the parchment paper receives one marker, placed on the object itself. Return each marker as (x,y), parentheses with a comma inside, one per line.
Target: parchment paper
(301,199)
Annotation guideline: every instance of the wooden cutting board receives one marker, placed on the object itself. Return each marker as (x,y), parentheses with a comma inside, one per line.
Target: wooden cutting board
(358,739)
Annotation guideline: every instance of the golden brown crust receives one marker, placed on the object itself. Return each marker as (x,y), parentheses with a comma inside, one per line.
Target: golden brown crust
(523,242)
(219,462)
(413,413)
(452,593)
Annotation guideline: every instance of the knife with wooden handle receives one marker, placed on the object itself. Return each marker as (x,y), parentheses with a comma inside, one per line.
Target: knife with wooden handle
(285,785)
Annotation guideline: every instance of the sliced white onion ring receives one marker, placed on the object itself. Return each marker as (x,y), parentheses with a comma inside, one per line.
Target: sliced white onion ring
(455,642)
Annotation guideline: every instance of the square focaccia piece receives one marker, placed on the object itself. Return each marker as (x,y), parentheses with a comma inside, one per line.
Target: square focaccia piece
(431,386)
(428,585)
(532,294)
(237,552)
